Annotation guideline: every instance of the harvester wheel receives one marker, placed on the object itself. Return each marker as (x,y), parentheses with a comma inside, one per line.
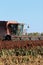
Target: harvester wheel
(7,37)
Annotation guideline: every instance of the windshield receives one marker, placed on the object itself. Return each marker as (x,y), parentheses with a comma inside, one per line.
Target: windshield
(16,29)
(13,28)
(20,29)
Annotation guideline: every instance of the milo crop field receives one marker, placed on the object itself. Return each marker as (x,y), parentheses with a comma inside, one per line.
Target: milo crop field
(21,52)
(22,56)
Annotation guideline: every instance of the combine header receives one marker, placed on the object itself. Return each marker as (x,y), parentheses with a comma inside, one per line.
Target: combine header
(11,36)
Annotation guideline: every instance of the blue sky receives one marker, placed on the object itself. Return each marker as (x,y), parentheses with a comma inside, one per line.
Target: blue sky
(29,12)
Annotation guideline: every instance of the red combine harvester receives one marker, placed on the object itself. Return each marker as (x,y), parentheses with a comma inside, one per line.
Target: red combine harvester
(11,36)
(9,29)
